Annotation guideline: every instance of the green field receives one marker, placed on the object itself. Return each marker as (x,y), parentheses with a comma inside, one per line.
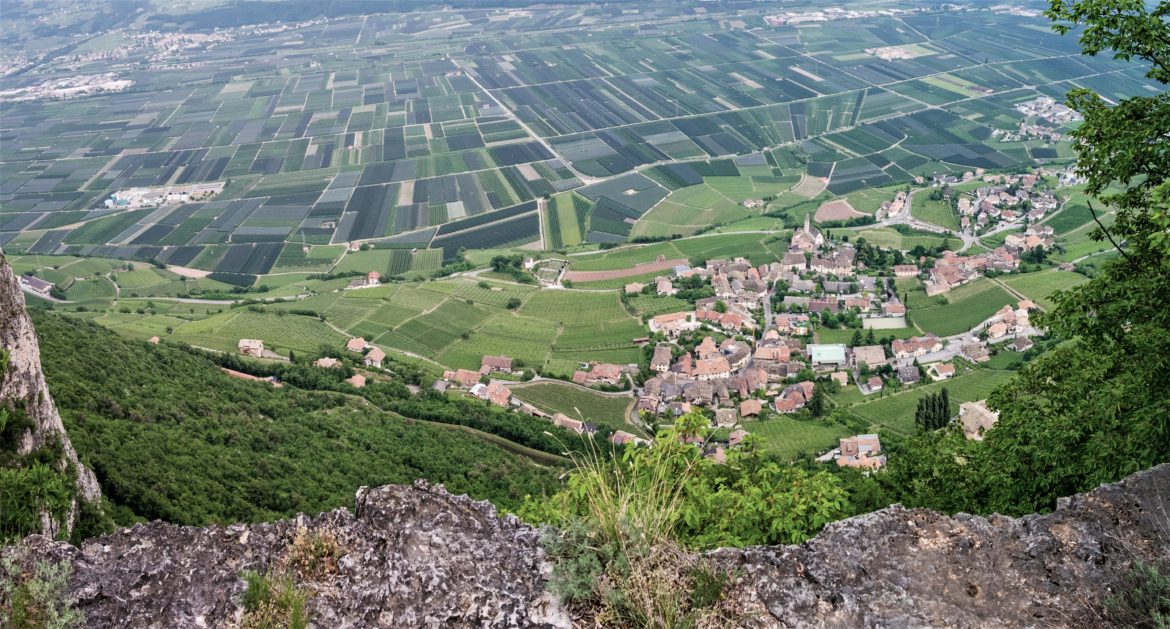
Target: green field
(552,397)
(787,437)
(844,335)
(1040,286)
(279,333)
(575,307)
(687,210)
(892,239)
(895,411)
(966,307)
(936,212)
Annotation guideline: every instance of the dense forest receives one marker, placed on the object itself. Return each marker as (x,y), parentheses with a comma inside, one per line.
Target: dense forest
(173,437)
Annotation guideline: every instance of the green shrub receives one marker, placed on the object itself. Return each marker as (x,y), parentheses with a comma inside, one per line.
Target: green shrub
(36,598)
(1143,597)
(273,602)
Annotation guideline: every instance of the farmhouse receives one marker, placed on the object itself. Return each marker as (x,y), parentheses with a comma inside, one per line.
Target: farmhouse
(905,270)
(736,437)
(251,347)
(792,324)
(501,364)
(861,451)
(603,373)
(916,346)
(674,323)
(712,368)
(874,385)
(750,408)
(568,423)
(662,357)
(497,394)
(976,353)
(726,417)
(357,344)
(375,357)
(463,377)
(909,374)
(621,438)
(327,363)
(941,371)
(357,381)
(36,285)
(976,419)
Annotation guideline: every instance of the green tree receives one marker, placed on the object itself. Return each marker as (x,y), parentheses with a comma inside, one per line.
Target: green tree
(816,405)
(1095,409)
(1125,143)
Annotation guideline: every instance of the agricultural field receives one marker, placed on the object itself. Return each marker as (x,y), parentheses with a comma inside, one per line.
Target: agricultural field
(964,307)
(595,408)
(936,212)
(787,437)
(616,117)
(895,411)
(1040,286)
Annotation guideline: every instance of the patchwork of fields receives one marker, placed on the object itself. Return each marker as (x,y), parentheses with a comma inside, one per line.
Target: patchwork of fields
(431,136)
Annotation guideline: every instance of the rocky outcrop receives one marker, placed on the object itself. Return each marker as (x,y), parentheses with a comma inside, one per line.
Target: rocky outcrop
(23,389)
(412,557)
(420,557)
(917,568)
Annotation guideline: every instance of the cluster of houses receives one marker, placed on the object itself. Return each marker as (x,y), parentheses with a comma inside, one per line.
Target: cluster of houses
(1009,321)
(373,278)
(894,208)
(133,198)
(1047,108)
(951,269)
(1009,199)
(1034,236)
(1026,131)
(859,452)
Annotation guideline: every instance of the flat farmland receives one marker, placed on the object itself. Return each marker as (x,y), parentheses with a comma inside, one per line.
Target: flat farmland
(892,239)
(575,307)
(936,212)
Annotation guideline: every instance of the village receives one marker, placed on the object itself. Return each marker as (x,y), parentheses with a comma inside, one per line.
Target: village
(747,352)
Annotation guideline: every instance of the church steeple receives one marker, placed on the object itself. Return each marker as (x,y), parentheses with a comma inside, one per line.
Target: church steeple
(807,225)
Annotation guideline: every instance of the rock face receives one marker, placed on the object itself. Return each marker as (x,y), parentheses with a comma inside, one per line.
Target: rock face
(420,557)
(22,387)
(413,557)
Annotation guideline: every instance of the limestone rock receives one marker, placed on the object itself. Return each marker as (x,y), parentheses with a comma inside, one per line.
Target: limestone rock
(421,557)
(22,386)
